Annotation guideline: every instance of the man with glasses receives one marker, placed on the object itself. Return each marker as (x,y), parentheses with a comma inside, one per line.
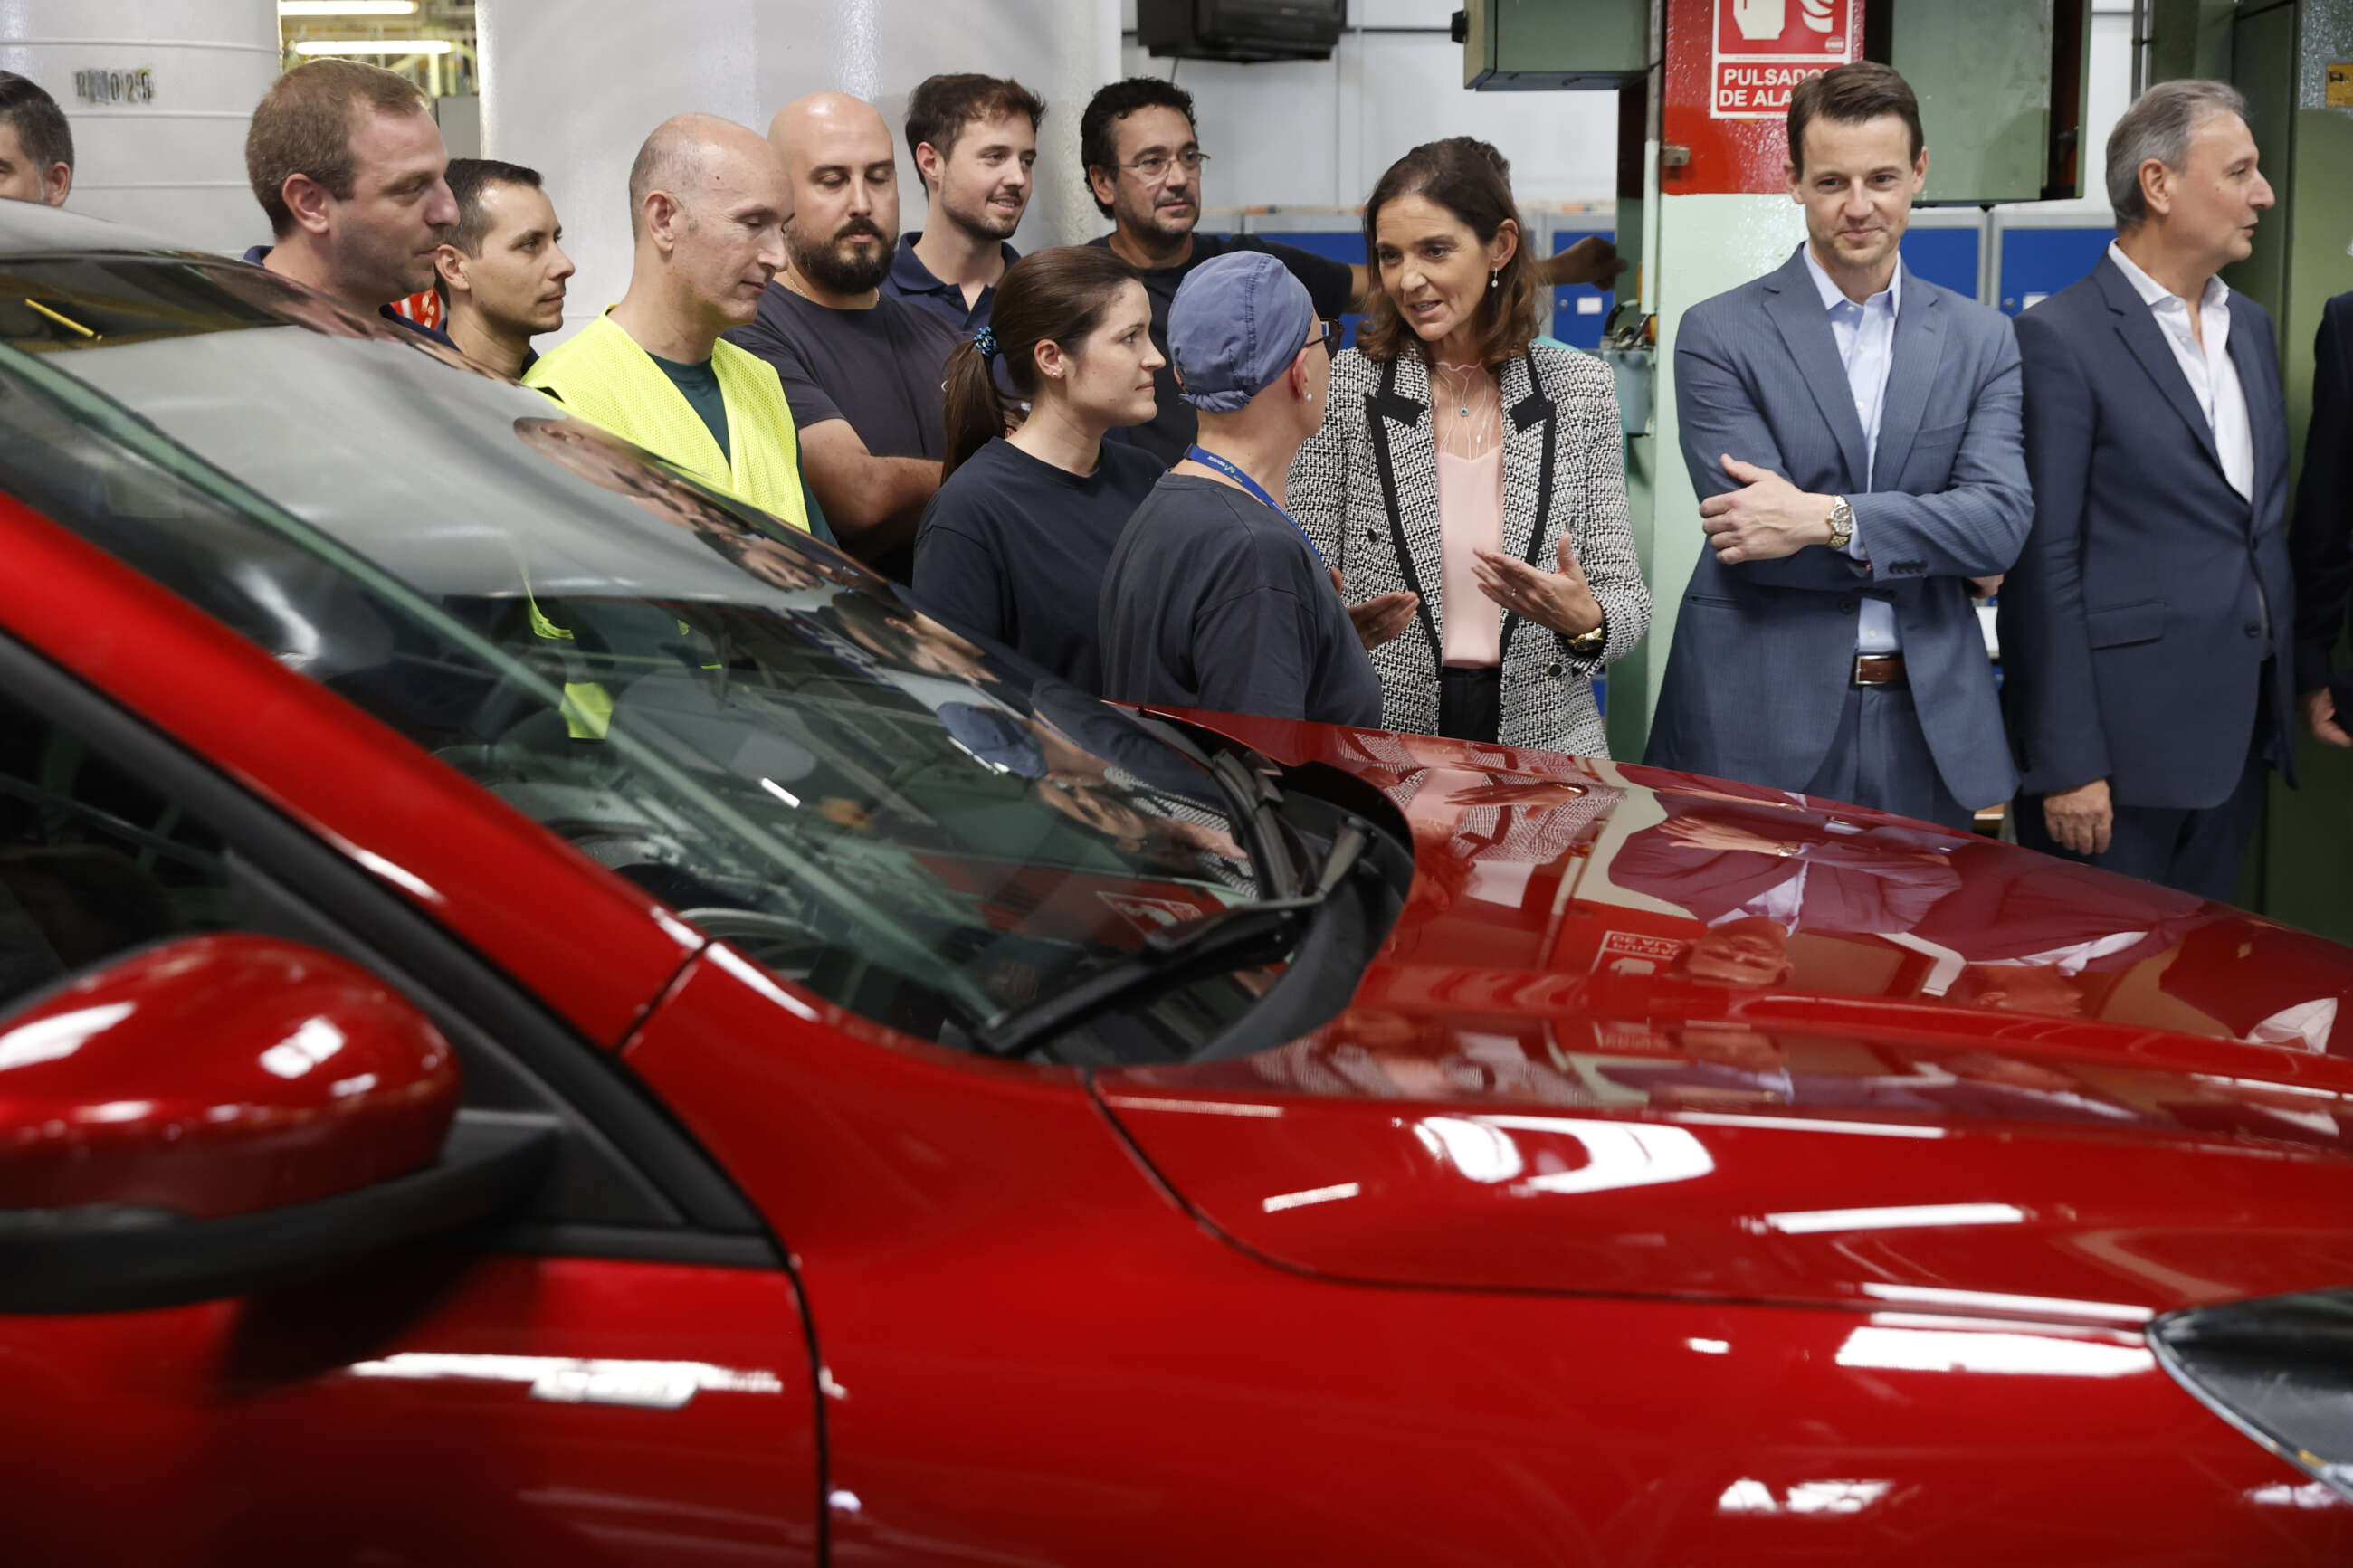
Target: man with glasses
(1144,166)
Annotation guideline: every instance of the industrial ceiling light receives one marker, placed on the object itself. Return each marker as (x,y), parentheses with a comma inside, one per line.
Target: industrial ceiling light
(373,46)
(347,7)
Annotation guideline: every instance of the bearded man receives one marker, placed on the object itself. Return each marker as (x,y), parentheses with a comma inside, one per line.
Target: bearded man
(862,368)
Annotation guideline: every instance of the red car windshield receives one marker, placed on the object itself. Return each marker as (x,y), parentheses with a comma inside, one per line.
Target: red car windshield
(698,697)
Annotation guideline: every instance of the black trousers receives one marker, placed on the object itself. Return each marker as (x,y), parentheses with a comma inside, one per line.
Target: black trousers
(1470,703)
(2198,852)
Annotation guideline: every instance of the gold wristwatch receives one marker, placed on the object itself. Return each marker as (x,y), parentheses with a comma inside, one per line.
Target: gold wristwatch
(1841,522)
(1586,645)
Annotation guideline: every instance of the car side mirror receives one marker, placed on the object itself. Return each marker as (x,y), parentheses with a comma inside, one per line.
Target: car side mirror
(212,1114)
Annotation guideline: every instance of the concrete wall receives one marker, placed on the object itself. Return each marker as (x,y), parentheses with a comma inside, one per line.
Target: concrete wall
(572,89)
(173,164)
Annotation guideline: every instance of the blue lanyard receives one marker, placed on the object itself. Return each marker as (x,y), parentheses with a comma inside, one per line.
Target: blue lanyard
(1212,461)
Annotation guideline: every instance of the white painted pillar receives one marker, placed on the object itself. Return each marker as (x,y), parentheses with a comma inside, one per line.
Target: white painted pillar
(172,164)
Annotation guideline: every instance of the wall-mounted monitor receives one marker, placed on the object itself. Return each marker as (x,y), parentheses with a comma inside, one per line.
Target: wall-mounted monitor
(1244,30)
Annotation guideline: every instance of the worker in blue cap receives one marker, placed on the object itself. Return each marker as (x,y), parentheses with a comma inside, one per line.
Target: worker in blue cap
(1215,598)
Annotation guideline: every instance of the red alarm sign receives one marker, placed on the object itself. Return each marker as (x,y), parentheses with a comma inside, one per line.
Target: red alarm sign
(1764,47)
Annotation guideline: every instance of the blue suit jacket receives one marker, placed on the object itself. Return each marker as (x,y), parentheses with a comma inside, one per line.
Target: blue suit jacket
(1763,650)
(2134,628)
(2321,540)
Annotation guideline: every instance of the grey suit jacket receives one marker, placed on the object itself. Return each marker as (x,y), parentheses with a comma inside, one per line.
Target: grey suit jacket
(1763,650)
(1365,487)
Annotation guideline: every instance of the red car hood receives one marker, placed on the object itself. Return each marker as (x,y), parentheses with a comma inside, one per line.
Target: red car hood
(1639,1032)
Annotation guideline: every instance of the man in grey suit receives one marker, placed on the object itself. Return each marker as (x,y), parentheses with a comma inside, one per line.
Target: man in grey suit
(1853,432)
(2148,633)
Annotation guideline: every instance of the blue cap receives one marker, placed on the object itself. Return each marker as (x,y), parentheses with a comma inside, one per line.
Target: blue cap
(1236,324)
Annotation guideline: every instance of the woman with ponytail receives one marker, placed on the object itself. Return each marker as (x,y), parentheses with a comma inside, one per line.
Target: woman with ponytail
(1013,547)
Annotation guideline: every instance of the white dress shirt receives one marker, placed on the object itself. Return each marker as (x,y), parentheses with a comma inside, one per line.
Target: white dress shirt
(2213,379)
(1866,345)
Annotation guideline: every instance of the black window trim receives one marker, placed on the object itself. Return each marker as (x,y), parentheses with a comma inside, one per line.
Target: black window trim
(708,1219)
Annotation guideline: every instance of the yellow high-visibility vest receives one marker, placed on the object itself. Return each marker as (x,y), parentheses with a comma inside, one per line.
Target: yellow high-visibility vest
(601,375)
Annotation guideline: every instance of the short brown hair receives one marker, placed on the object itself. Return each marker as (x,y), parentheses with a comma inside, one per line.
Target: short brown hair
(41,128)
(942,106)
(1471,180)
(303,126)
(469,180)
(1852,94)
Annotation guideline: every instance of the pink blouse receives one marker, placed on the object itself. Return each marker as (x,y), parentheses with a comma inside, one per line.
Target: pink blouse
(1469,517)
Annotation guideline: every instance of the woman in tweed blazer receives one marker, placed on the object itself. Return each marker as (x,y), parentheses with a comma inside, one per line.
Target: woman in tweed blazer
(1559,574)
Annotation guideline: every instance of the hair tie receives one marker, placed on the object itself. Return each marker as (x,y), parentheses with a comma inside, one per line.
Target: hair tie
(984,341)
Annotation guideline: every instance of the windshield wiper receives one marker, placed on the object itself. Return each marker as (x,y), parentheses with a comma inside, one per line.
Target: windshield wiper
(1251,802)
(1174,955)
(1254,802)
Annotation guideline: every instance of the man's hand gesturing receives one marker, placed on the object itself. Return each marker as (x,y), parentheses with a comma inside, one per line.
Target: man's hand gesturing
(1766,518)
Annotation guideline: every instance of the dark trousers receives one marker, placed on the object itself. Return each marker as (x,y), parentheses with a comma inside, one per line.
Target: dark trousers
(2198,852)
(1470,703)
(1880,758)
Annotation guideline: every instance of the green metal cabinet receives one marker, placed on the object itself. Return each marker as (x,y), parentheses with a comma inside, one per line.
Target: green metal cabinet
(1544,46)
(1988,76)
(2278,56)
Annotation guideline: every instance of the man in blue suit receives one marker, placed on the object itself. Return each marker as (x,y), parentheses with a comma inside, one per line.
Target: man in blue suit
(2321,540)
(1853,431)
(2146,631)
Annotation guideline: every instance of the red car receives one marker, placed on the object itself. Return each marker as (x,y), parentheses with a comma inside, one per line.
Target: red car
(543,1022)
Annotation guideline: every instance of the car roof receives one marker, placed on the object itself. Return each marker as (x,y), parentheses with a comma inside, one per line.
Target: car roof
(31,229)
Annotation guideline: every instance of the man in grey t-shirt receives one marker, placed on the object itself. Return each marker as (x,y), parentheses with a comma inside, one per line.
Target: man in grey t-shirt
(861,367)
(1214,597)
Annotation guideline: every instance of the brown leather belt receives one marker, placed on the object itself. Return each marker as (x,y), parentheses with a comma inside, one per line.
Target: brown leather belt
(1879,670)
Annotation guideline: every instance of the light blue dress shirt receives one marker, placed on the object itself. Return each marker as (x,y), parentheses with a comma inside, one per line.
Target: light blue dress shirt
(1866,346)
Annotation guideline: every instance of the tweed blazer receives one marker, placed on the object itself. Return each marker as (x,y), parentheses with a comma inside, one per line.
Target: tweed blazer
(1365,487)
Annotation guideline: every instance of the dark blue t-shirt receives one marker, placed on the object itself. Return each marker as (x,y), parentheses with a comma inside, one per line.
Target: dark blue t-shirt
(1013,549)
(1215,600)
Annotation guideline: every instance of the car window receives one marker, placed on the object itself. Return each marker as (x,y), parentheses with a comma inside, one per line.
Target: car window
(93,861)
(54,303)
(749,727)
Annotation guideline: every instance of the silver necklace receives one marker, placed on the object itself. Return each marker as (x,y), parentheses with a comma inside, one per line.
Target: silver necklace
(1462,393)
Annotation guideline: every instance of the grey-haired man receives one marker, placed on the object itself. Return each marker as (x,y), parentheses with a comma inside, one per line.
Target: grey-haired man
(2147,630)
(1214,597)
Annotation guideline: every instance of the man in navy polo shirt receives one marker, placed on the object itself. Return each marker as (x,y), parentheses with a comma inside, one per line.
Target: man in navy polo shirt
(974,139)
(364,224)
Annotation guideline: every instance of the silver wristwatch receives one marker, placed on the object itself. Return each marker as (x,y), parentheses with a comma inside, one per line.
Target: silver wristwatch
(1841,522)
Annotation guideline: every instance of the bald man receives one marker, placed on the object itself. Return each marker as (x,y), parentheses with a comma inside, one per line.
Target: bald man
(863,367)
(708,203)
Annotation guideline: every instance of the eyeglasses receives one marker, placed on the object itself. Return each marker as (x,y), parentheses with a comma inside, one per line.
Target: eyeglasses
(1329,335)
(1154,167)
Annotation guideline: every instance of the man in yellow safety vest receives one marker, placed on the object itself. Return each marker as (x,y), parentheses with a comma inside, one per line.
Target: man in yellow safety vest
(708,202)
